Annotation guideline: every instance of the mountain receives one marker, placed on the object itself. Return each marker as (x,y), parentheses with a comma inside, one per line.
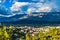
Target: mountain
(32,18)
(41,18)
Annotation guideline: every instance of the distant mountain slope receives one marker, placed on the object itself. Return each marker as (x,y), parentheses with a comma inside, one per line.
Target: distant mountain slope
(42,16)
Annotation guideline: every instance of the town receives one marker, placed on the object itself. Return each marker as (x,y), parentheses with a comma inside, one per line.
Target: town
(30,33)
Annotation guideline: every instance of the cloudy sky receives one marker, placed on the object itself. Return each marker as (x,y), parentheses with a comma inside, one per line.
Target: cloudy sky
(26,6)
(10,8)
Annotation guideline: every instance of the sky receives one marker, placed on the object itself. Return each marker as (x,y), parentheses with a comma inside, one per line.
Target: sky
(9,3)
(9,8)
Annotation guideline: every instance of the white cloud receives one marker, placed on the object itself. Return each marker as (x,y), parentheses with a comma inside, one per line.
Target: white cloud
(30,10)
(44,9)
(17,5)
(7,15)
(24,17)
(40,8)
(33,7)
(2,1)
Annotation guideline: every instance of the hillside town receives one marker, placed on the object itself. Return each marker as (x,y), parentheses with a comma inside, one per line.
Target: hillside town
(29,33)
